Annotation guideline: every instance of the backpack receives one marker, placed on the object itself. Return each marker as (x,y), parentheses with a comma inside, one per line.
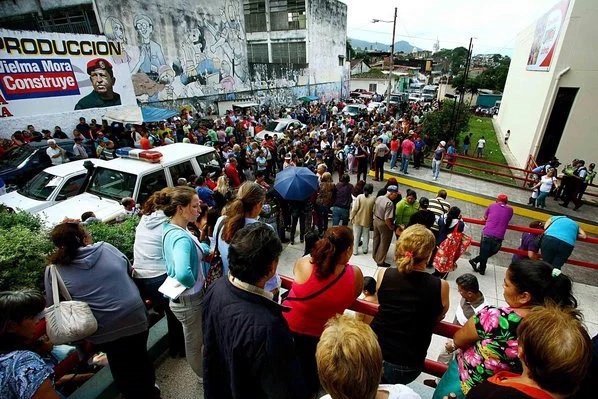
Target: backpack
(449,250)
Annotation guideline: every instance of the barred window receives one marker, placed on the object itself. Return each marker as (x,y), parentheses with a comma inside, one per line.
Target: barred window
(287,14)
(257,53)
(74,19)
(255,15)
(289,53)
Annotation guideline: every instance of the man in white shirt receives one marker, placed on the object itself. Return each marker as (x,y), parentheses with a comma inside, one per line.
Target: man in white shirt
(481,145)
(55,152)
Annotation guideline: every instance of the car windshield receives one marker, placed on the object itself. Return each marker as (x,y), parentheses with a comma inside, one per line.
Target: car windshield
(272,126)
(112,184)
(41,186)
(16,155)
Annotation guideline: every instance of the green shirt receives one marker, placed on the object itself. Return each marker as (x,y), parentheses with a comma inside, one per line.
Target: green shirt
(93,100)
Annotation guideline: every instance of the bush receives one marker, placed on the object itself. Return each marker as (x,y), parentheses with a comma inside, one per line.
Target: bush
(10,219)
(121,235)
(23,254)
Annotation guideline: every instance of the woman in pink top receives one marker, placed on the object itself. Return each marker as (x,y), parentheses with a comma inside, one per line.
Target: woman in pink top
(324,286)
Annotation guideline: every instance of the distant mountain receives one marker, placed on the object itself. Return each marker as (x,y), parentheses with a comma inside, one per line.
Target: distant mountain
(401,45)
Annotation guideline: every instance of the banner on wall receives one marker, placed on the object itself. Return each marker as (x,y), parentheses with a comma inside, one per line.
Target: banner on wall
(546,36)
(47,73)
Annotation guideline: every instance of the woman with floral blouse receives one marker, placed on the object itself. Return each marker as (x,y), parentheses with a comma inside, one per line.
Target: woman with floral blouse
(488,341)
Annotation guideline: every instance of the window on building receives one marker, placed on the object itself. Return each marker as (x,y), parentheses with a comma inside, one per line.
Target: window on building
(341,60)
(373,87)
(257,53)
(255,15)
(287,14)
(289,53)
(75,19)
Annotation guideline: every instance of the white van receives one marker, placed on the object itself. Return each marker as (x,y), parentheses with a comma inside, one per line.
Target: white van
(50,186)
(132,176)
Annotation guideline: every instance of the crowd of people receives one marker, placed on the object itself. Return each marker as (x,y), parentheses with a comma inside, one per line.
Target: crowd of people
(243,338)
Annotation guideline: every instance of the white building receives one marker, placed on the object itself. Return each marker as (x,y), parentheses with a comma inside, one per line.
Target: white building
(549,102)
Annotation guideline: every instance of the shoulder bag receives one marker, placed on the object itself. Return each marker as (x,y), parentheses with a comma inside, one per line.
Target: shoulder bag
(320,291)
(215,269)
(69,320)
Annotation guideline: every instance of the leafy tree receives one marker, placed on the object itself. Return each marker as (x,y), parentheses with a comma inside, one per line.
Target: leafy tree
(350,51)
(450,115)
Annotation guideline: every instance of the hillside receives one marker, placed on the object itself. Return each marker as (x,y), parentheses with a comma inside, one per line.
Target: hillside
(401,45)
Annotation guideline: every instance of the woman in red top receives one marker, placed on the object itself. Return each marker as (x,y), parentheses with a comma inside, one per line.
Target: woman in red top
(324,286)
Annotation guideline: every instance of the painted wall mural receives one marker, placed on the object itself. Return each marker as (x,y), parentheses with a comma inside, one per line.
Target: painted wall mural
(193,49)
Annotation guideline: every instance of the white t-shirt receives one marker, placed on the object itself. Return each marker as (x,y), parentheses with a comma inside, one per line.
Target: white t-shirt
(52,152)
(397,391)
(547,183)
(481,143)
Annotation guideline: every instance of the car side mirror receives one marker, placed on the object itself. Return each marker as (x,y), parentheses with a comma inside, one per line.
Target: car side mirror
(61,197)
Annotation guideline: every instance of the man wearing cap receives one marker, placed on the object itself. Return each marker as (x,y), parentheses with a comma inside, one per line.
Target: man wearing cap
(384,214)
(102,79)
(497,216)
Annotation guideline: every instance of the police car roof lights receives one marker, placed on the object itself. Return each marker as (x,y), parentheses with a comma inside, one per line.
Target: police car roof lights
(144,155)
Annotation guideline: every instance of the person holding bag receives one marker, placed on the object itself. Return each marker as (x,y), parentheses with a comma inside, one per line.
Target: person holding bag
(450,227)
(183,253)
(99,275)
(325,284)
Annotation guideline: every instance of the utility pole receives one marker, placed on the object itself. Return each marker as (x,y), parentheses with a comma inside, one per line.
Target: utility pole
(462,94)
(392,60)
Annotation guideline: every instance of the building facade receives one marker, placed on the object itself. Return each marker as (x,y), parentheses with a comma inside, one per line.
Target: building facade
(550,95)
(197,53)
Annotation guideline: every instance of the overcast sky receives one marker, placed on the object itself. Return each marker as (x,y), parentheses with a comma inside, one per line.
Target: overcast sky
(494,24)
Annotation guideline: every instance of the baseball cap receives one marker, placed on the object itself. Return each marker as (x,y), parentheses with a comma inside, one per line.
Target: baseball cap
(288,156)
(502,198)
(98,63)
(392,189)
(443,143)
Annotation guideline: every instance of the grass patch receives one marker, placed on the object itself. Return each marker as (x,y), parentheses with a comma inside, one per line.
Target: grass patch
(482,126)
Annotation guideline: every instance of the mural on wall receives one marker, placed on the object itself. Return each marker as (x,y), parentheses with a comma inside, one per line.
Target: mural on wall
(208,56)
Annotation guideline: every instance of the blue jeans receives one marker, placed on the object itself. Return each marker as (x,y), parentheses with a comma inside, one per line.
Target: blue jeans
(489,246)
(541,200)
(397,374)
(340,214)
(405,162)
(555,251)
(436,167)
(393,159)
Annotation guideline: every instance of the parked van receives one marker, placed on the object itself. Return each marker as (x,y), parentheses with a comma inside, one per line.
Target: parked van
(137,174)
(50,186)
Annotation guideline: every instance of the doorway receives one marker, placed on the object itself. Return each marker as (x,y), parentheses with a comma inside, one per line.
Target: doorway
(556,123)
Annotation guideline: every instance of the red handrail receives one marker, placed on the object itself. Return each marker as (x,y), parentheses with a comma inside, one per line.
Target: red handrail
(442,328)
(524,229)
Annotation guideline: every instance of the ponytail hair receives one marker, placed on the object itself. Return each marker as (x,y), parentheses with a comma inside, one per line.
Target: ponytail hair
(543,283)
(326,251)
(68,238)
(173,197)
(249,195)
(156,201)
(414,248)
(452,214)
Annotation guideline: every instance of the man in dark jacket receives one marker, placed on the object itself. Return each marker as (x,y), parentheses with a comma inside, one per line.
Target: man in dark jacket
(248,348)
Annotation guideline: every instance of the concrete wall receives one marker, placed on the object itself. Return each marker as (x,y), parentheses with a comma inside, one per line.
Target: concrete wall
(529,95)
(19,7)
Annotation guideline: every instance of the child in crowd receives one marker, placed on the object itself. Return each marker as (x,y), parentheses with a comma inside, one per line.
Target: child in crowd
(369,295)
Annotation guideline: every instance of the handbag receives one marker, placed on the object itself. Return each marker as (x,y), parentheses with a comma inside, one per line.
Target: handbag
(216,267)
(450,250)
(69,320)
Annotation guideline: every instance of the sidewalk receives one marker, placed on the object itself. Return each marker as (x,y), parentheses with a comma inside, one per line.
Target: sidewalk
(177,381)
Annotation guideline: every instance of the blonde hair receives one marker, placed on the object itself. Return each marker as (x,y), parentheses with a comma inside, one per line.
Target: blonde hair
(222,184)
(349,359)
(414,248)
(556,347)
(326,176)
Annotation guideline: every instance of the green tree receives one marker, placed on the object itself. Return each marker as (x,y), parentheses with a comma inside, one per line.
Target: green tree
(350,51)
(450,116)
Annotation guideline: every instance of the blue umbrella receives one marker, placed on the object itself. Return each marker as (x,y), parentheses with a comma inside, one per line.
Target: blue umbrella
(296,183)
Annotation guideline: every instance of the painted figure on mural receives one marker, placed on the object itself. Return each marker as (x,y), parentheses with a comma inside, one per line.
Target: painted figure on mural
(151,57)
(196,64)
(114,30)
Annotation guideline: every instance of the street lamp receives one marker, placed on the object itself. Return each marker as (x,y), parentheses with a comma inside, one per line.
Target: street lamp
(392,51)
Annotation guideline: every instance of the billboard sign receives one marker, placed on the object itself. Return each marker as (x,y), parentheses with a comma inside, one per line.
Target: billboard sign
(47,73)
(546,37)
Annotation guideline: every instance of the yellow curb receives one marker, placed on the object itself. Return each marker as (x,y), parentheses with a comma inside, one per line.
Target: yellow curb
(518,210)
